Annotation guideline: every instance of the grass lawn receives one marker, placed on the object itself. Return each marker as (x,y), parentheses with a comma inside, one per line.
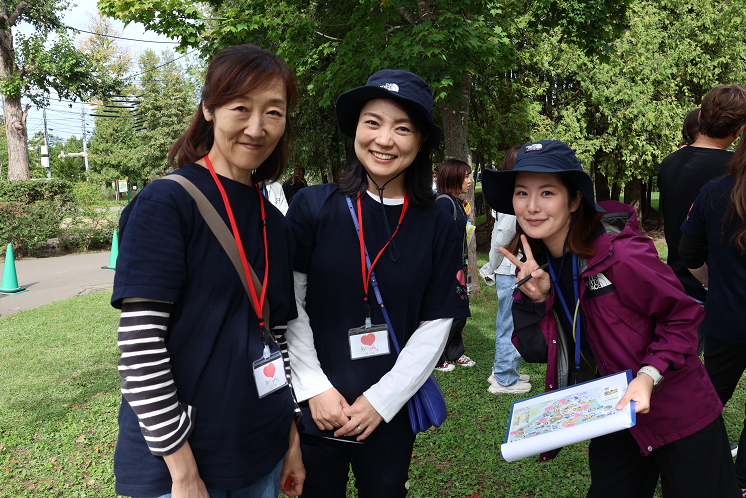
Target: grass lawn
(59,396)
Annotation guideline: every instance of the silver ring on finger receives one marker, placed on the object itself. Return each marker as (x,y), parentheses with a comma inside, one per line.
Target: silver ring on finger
(360,429)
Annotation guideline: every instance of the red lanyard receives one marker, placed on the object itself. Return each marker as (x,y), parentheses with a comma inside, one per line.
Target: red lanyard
(258,303)
(366,275)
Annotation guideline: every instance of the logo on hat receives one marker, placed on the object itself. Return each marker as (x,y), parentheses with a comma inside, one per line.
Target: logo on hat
(391,87)
(531,147)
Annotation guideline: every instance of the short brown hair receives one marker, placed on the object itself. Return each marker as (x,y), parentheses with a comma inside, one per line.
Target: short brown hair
(509,159)
(236,71)
(723,111)
(451,176)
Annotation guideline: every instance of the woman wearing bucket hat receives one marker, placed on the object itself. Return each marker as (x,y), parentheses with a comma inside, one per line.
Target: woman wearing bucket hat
(629,312)
(353,383)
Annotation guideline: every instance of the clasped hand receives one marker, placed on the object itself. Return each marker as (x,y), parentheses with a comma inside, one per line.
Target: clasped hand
(330,410)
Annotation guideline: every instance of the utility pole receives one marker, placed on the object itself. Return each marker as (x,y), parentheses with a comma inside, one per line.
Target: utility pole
(45,149)
(85,138)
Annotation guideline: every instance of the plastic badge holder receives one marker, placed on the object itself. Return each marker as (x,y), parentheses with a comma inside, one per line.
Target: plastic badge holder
(367,342)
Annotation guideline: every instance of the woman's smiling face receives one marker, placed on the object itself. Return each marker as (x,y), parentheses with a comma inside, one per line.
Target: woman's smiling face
(246,130)
(543,209)
(386,142)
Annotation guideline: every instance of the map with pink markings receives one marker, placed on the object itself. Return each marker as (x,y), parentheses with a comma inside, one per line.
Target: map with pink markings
(568,411)
(566,416)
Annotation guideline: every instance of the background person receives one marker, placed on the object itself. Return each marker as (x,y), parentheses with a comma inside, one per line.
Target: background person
(631,314)
(500,272)
(418,270)
(274,193)
(683,173)
(690,128)
(718,220)
(292,185)
(192,423)
(454,179)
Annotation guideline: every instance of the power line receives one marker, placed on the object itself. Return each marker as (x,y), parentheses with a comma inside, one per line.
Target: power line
(164,64)
(118,37)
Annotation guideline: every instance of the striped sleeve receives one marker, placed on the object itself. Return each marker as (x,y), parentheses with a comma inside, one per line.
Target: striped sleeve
(279,334)
(147,381)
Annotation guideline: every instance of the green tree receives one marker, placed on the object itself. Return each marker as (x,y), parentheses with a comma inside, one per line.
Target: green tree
(31,68)
(169,97)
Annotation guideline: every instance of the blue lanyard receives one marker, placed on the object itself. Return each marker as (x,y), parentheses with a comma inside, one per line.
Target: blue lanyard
(567,310)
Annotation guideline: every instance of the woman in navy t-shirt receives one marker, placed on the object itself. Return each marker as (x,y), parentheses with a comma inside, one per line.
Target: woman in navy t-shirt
(454,179)
(353,384)
(206,409)
(713,247)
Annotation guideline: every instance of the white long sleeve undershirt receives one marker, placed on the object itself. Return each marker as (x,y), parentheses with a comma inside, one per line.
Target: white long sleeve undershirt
(413,365)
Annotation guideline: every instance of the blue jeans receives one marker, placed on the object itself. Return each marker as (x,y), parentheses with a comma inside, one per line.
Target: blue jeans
(268,487)
(507,358)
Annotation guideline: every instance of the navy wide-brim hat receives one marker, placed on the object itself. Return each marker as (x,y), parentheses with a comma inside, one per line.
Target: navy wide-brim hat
(545,156)
(393,84)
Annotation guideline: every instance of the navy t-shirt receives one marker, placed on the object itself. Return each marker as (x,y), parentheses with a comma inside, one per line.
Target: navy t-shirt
(167,252)
(423,284)
(460,220)
(725,312)
(681,176)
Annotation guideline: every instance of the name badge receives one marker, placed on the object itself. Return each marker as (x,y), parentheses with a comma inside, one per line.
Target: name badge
(366,342)
(269,374)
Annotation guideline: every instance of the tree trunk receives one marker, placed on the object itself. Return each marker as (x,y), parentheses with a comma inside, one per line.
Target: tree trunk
(632,195)
(454,111)
(15,116)
(600,181)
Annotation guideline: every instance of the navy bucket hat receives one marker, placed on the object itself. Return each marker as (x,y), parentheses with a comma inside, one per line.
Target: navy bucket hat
(544,156)
(393,84)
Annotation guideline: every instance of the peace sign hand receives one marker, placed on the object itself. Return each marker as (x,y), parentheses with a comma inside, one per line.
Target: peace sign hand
(537,289)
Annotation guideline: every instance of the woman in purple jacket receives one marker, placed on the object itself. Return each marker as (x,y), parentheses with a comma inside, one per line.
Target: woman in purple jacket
(605,284)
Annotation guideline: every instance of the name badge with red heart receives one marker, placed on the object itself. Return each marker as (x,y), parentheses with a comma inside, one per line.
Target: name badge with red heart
(366,342)
(269,374)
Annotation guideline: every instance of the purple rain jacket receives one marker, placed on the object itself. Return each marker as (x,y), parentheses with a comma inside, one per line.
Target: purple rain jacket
(635,313)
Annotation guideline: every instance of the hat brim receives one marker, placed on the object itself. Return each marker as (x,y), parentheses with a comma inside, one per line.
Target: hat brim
(349,104)
(497,187)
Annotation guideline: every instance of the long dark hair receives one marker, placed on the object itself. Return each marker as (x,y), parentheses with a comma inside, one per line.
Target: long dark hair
(418,177)
(237,71)
(451,176)
(690,128)
(580,241)
(737,205)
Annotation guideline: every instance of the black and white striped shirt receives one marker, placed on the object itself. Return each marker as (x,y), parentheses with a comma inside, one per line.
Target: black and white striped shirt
(147,381)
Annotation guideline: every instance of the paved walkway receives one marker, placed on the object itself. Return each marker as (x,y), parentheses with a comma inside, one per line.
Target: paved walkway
(55,279)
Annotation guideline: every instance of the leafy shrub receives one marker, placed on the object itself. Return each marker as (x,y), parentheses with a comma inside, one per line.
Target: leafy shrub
(29,225)
(87,194)
(30,191)
(87,229)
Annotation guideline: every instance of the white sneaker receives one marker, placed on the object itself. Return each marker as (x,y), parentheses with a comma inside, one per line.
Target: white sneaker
(517,388)
(445,367)
(465,361)
(491,379)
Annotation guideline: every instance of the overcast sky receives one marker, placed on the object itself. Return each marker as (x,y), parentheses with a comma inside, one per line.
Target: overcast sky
(62,120)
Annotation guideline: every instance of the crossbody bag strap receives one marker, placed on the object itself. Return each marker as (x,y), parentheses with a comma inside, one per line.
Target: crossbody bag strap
(374,280)
(224,236)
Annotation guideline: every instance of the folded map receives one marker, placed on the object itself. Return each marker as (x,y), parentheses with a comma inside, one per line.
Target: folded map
(566,416)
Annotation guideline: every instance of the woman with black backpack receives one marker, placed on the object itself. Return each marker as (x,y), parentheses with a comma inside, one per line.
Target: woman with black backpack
(454,179)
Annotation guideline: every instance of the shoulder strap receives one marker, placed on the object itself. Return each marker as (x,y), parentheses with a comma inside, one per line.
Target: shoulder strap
(224,236)
(446,196)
